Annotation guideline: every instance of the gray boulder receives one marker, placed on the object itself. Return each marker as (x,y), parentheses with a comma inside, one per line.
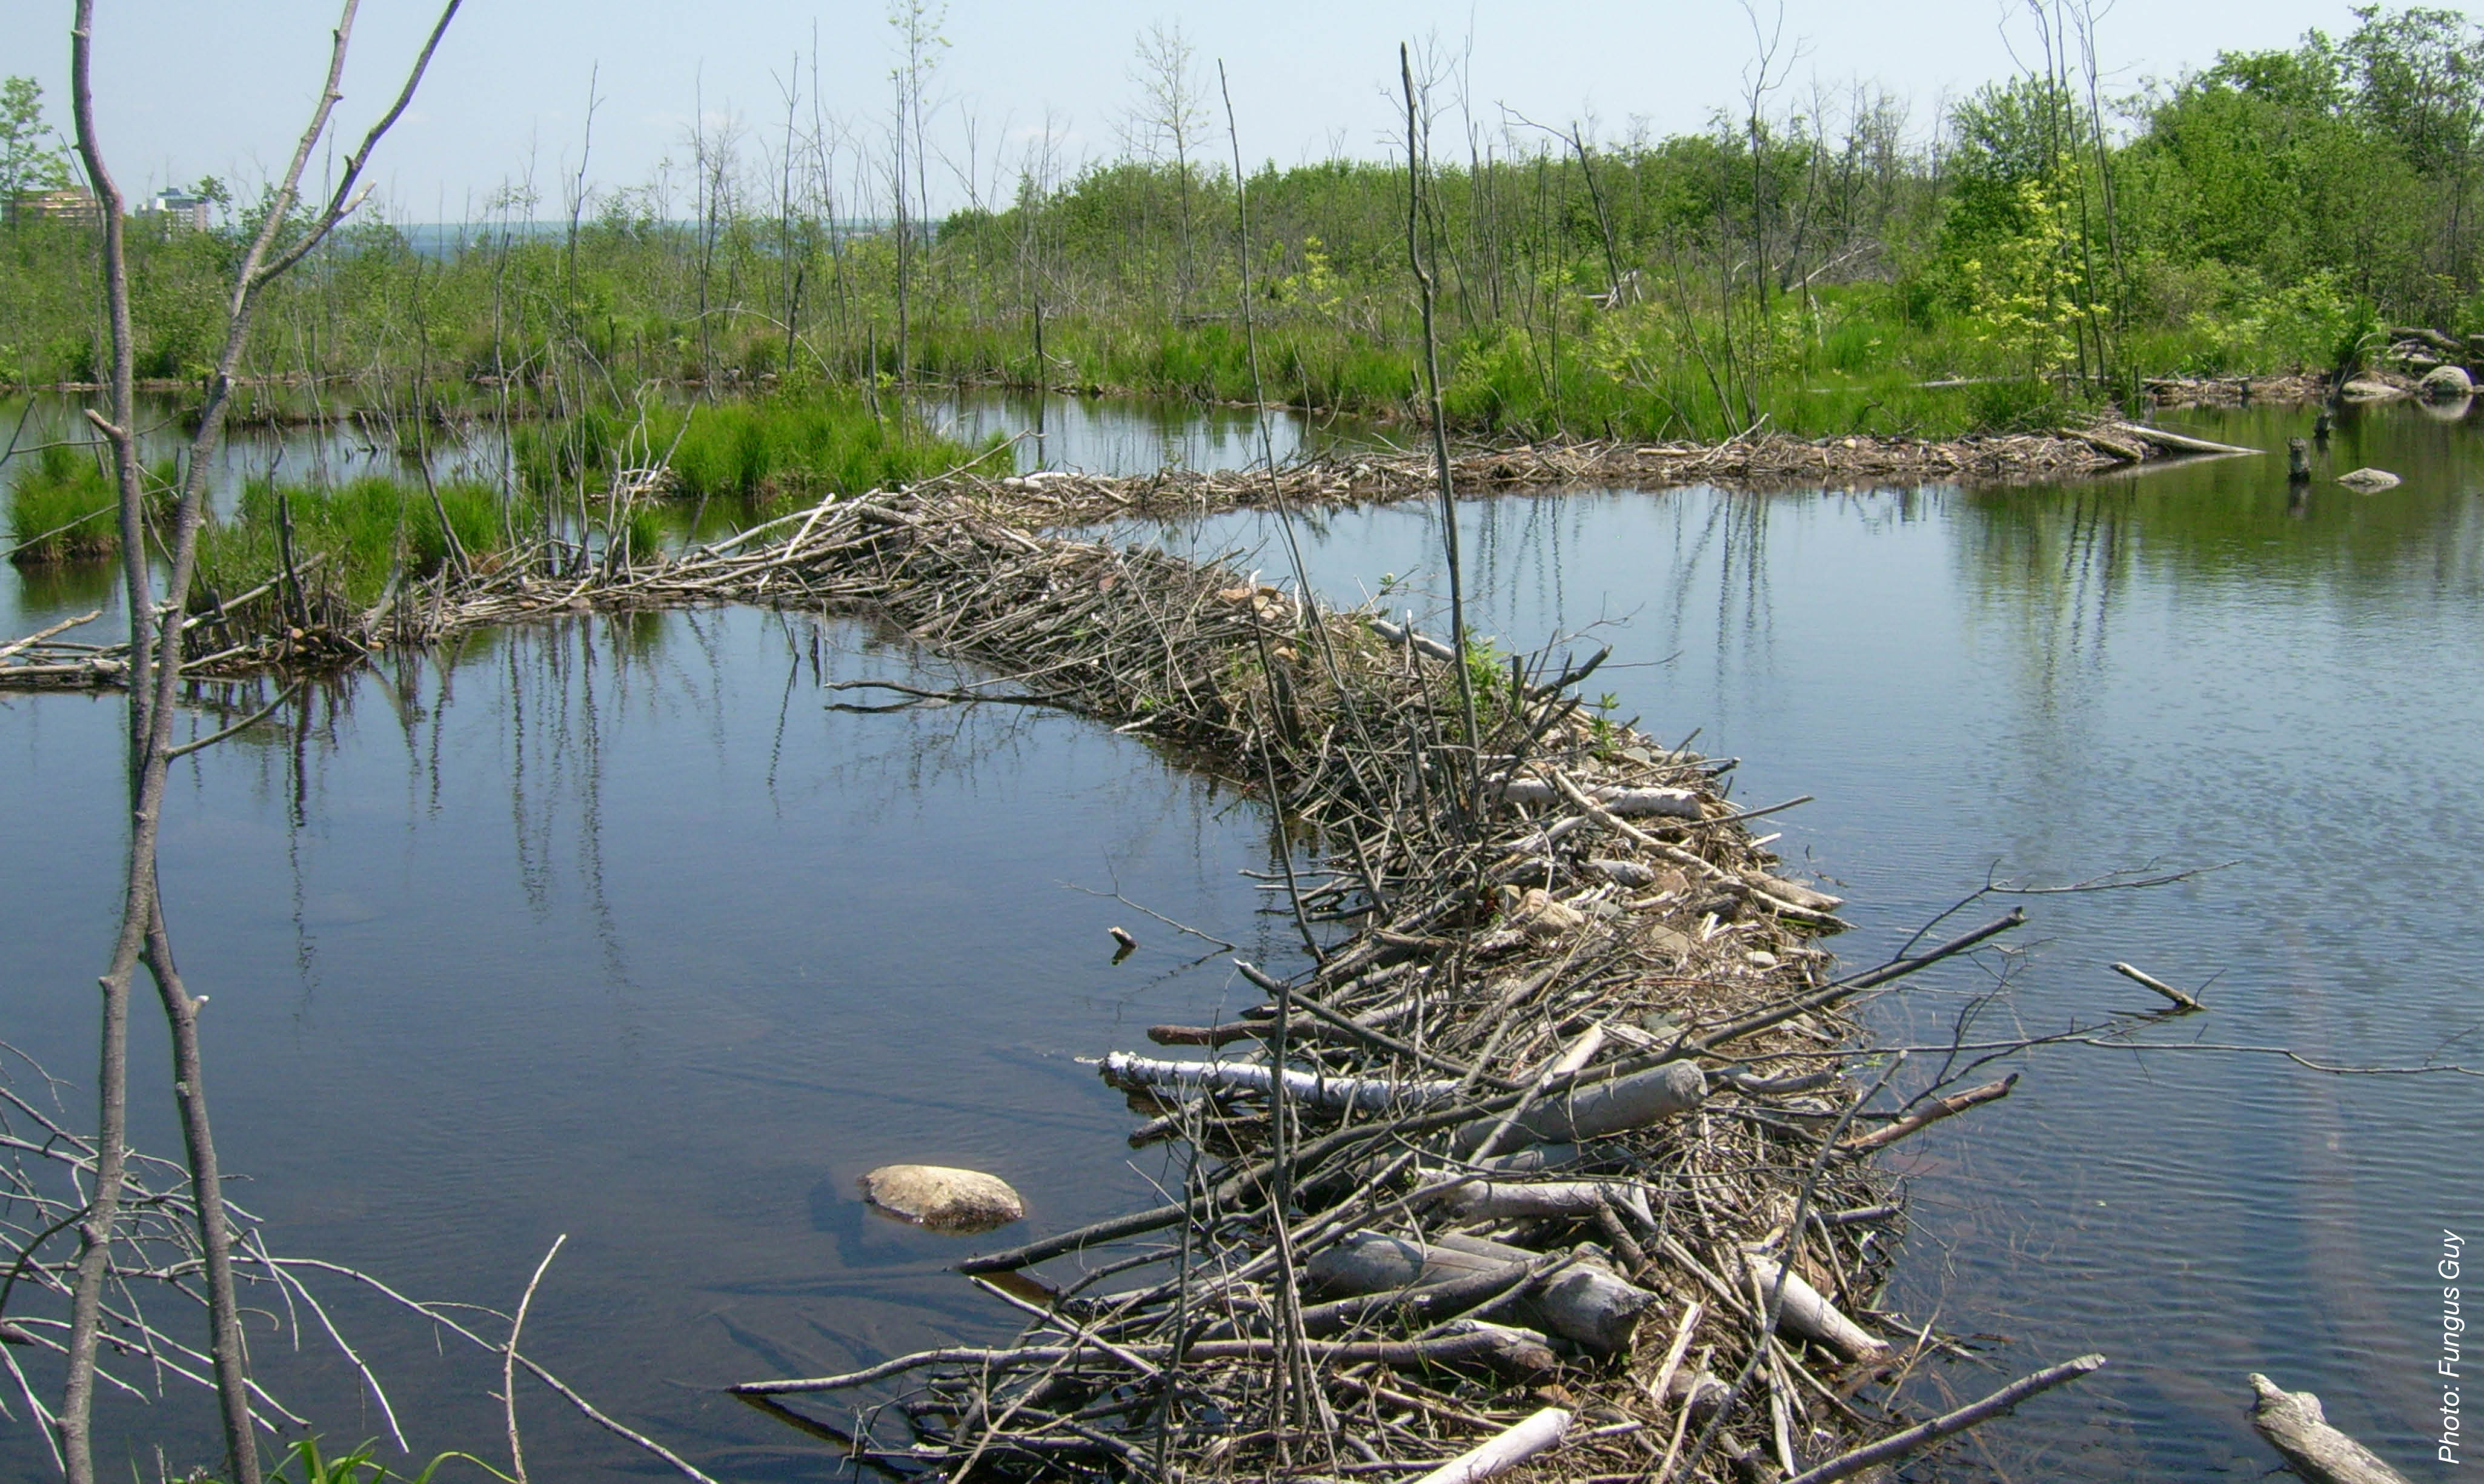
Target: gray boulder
(943,1198)
(2447,383)
(2369,481)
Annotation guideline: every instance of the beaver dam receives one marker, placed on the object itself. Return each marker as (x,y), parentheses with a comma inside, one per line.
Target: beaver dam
(1558,1145)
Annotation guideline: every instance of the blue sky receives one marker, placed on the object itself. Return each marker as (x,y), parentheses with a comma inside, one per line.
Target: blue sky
(186,89)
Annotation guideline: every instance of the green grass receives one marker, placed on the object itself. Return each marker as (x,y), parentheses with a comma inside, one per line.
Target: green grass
(353,533)
(767,448)
(63,507)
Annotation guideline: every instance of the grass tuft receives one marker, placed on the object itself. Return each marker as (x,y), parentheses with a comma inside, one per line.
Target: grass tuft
(63,507)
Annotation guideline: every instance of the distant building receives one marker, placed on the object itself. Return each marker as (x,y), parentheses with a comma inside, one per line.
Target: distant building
(178,209)
(75,204)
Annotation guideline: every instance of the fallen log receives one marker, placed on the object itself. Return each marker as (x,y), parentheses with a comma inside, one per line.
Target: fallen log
(1404,634)
(2122,448)
(1538,1433)
(1805,1312)
(1625,802)
(2173,442)
(1810,898)
(1415,1305)
(1583,1303)
(1330,1095)
(2293,1423)
(2448,346)
(1476,1200)
(1598,1108)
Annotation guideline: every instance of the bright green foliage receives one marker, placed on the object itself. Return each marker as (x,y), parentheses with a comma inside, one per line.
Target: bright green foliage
(30,159)
(347,539)
(305,1464)
(62,506)
(774,447)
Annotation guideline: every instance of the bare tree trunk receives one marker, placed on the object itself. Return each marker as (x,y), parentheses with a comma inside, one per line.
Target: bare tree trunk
(154,680)
(1439,431)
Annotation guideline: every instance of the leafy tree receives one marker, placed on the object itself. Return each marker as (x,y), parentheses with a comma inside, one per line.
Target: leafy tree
(30,158)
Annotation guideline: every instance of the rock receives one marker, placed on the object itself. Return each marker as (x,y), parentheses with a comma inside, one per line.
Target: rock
(942,1199)
(2369,481)
(2447,383)
(2365,389)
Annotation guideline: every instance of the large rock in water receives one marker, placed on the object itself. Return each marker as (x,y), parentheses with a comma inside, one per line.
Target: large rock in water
(942,1199)
(2369,481)
(2447,384)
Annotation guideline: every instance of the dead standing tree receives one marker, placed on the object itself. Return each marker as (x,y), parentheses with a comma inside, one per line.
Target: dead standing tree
(153,678)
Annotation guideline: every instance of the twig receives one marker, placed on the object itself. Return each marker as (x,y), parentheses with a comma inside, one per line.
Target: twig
(509,1362)
(1898,1444)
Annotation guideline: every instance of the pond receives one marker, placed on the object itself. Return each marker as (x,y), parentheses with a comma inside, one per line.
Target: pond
(610,929)
(2191,667)
(613,928)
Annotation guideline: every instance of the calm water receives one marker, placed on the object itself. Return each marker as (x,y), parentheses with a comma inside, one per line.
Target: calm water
(2187,667)
(612,930)
(1122,437)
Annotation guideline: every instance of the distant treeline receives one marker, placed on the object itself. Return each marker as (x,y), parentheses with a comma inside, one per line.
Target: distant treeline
(1808,262)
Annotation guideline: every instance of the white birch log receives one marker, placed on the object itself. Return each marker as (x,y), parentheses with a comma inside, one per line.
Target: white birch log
(1626,802)
(1598,1108)
(1539,1433)
(1584,1302)
(1807,1313)
(1332,1094)
(1478,1199)
(2173,442)
(1809,897)
(1634,804)
(1533,1160)
(1587,1111)
(1404,634)
(2294,1425)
